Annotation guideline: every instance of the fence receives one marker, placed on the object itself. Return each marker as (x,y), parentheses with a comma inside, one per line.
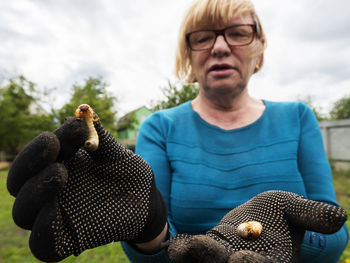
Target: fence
(336,139)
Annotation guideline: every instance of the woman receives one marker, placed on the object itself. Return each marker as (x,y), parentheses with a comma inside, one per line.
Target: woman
(208,156)
(224,147)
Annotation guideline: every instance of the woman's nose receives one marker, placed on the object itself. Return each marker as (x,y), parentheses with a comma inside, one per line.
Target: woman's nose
(220,46)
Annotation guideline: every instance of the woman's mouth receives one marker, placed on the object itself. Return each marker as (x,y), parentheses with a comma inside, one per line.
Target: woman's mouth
(220,70)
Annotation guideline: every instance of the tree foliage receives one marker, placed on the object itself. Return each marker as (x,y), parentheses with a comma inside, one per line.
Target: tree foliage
(341,109)
(92,92)
(18,125)
(176,95)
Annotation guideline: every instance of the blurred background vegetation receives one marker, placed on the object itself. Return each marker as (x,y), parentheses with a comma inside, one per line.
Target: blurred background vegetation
(22,117)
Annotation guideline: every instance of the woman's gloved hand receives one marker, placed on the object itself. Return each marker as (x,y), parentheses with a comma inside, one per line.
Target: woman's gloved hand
(284,217)
(73,200)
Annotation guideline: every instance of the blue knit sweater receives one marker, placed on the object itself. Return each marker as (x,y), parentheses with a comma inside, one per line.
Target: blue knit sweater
(203,171)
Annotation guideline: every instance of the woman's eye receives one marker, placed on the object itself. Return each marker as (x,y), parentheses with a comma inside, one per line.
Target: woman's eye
(204,39)
(238,34)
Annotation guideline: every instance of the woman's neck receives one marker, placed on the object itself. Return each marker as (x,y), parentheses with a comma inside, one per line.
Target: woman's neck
(229,114)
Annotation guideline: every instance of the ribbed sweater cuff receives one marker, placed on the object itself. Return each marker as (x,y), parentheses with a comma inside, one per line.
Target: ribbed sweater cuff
(135,256)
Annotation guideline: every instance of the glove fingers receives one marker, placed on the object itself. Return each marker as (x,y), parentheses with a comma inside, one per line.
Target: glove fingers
(247,256)
(35,193)
(109,149)
(315,216)
(71,135)
(201,248)
(47,227)
(35,156)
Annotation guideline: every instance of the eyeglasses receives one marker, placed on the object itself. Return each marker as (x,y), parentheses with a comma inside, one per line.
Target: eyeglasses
(237,35)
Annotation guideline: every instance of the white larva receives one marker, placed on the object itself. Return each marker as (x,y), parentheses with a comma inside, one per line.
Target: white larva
(249,230)
(85,112)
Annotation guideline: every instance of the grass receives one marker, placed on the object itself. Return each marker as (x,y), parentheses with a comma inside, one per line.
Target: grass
(342,188)
(14,241)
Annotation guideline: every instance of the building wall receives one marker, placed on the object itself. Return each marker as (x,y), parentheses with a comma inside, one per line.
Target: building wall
(128,136)
(141,115)
(336,139)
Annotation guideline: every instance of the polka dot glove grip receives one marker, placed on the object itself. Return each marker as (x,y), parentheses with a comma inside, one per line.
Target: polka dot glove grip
(284,218)
(73,200)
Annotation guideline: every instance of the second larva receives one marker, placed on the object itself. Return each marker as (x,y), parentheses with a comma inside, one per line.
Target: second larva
(249,230)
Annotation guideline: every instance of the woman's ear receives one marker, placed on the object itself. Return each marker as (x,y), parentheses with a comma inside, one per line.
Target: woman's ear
(259,63)
(191,76)
(260,48)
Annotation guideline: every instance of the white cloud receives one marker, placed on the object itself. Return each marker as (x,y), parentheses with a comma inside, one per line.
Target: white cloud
(308,50)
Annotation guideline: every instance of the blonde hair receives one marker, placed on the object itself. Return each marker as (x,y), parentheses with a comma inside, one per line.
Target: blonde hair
(208,13)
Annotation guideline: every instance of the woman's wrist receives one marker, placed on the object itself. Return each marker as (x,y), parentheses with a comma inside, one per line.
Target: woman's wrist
(155,245)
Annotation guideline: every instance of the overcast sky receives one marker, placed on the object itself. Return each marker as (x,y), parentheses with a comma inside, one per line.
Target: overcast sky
(131,45)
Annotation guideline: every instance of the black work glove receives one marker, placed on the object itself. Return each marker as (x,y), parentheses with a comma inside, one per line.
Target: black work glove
(284,217)
(73,200)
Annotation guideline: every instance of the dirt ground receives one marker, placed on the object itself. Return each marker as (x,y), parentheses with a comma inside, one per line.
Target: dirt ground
(4,165)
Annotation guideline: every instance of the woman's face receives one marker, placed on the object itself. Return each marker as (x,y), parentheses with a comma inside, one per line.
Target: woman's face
(224,68)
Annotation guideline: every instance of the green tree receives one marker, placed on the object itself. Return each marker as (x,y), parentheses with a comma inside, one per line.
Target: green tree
(92,92)
(341,109)
(176,95)
(18,125)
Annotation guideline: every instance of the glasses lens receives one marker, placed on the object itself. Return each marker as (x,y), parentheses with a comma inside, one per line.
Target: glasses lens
(239,35)
(201,39)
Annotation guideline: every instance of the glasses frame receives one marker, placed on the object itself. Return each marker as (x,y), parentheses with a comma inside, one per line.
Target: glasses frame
(221,32)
